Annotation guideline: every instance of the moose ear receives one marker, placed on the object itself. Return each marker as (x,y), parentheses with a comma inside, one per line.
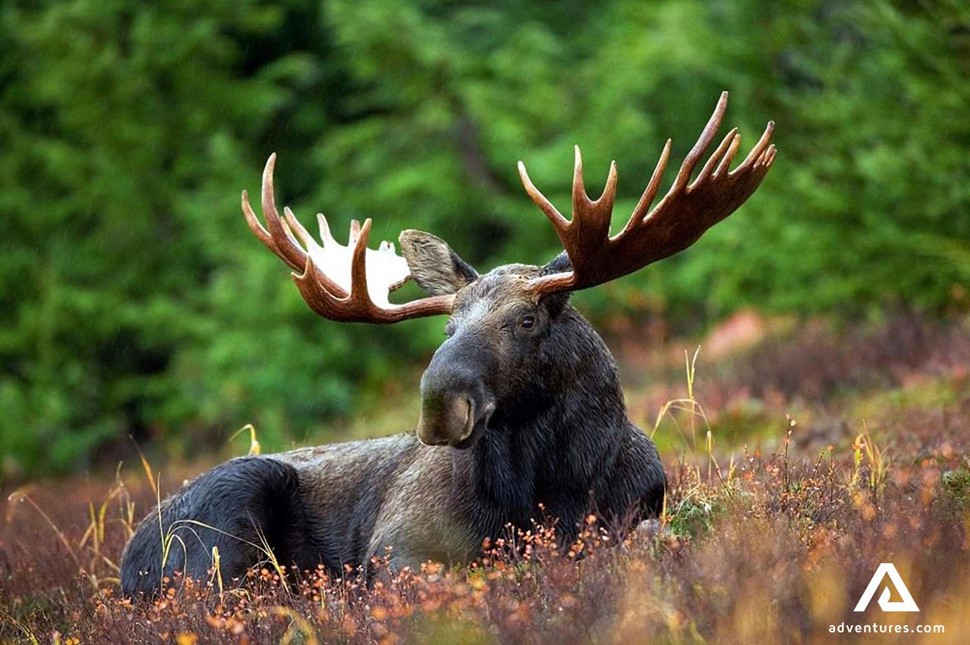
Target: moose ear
(434,266)
(559,264)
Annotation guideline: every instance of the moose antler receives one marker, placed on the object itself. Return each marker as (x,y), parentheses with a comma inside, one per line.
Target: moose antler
(681,217)
(352,283)
(344,283)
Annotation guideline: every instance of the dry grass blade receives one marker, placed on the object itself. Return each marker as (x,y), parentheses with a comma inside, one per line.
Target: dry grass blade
(254,447)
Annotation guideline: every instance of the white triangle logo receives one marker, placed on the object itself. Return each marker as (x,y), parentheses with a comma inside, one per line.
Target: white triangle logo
(887,569)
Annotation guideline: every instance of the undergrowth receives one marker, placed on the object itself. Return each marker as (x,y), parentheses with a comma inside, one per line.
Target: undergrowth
(773,541)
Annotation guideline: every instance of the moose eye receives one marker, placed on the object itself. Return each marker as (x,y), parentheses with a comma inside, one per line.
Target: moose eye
(527,322)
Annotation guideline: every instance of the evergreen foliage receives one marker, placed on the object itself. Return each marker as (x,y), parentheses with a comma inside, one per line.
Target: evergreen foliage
(134,301)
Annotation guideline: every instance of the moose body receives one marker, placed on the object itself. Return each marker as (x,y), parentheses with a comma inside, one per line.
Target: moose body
(522,415)
(559,437)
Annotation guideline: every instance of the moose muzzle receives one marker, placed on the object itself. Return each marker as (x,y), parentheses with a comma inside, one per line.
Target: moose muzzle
(446,420)
(455,402)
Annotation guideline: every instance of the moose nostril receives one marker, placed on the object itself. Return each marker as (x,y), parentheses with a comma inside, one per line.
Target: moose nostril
(445,419)
(468,411)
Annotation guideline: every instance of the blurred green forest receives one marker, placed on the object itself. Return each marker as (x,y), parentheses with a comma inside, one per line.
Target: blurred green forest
(135,302)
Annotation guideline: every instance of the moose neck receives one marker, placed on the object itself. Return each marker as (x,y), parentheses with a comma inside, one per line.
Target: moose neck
(557,436)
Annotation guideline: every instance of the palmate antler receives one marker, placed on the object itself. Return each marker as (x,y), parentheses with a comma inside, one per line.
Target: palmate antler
(681,217)
(352,283)
(345,283)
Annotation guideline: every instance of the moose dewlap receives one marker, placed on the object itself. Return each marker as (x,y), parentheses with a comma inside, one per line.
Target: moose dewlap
(520,407)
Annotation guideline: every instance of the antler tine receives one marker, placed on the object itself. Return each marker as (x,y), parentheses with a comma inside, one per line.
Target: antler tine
(279,238)
(354,231)
(286,246)
(588,213)
(580,197)
(703,142)
(297,229)
(722,155)
(325,235)
(728,159)
(590,225)
(256,227)
(540,200)
(762,147)
(358,268)
(650,193)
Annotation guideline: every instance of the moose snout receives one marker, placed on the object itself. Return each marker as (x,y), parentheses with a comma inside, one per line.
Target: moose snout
(456,404)
(446,419)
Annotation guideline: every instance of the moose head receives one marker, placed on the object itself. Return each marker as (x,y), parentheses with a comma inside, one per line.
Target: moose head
(503,324)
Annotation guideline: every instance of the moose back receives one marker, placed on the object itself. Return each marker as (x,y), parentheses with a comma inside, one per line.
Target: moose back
(521,406)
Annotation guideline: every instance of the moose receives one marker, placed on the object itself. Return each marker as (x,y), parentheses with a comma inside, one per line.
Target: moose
(522,414)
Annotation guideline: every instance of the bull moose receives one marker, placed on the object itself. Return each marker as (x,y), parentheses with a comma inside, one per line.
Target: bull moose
(521,405)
